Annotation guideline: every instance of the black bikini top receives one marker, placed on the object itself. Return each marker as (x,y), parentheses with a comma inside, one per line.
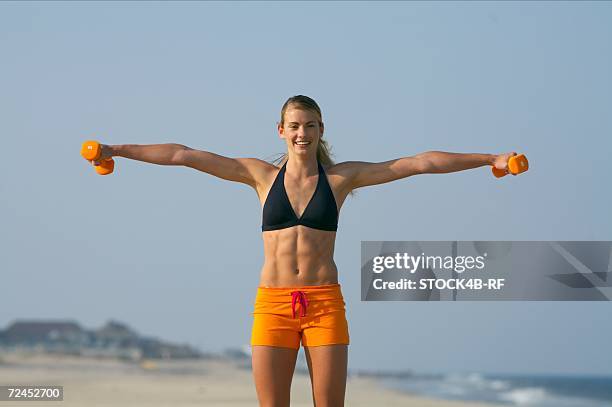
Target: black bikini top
(320,213)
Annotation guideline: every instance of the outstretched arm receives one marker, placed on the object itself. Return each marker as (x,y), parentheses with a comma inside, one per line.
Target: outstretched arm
(248,171)
(361,174)
(438,162)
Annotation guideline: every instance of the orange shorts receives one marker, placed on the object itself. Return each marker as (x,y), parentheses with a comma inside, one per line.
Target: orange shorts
(313,314)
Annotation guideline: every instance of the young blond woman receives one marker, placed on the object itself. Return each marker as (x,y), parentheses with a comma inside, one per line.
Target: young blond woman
(299,299)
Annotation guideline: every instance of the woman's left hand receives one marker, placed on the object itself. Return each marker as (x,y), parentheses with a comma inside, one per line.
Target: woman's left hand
(501,161)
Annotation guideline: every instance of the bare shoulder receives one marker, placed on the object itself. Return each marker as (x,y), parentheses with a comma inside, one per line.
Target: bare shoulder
(346,172)
(342,175)
(260,171)
(257,164)
(345,169)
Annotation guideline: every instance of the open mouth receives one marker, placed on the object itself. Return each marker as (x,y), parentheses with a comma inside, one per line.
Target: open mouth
(302,143)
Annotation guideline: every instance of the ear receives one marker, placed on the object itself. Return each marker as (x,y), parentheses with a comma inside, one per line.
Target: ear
(281,131)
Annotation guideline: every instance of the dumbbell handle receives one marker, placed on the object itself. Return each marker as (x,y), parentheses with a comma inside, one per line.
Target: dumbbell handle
(91,150)
(516,165)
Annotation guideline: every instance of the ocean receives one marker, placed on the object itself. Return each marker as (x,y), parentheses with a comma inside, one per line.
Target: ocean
(512,390)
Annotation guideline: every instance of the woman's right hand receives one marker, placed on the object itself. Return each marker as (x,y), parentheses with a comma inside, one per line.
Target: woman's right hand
(105,153)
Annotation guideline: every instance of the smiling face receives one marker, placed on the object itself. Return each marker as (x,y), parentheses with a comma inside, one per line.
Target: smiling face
(301,130)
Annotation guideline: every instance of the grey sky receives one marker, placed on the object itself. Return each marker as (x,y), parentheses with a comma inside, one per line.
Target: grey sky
(176,253)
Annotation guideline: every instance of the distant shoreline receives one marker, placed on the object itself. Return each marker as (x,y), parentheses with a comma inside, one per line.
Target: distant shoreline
(94,382)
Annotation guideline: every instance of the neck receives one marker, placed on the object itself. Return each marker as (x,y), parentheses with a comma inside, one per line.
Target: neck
(302,166)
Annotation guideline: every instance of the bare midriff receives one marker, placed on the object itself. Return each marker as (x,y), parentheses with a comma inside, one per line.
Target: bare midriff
(298,256)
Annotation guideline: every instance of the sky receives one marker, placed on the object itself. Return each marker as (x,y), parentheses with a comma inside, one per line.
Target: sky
(176,253)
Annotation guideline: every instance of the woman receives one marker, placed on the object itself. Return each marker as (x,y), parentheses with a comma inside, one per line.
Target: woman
(299,298)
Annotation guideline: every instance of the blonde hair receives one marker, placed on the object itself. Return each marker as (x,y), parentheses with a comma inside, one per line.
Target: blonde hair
(305,103)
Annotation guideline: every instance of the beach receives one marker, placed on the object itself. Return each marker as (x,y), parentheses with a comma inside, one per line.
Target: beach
(188,383)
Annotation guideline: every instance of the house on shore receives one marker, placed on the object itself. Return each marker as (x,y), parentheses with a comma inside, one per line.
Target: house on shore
(113,340)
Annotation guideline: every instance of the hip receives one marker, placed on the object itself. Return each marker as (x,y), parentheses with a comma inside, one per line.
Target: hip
(300,301)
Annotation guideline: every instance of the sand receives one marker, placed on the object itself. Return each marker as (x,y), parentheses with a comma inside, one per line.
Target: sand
(99,382)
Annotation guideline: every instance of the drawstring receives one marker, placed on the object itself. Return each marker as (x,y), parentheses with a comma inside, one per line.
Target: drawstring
(301,297)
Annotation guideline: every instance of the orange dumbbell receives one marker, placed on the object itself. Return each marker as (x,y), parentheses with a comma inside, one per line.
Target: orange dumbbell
(516,165)
(91,150)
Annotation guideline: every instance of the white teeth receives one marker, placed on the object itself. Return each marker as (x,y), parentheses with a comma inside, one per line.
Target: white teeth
(302,143)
